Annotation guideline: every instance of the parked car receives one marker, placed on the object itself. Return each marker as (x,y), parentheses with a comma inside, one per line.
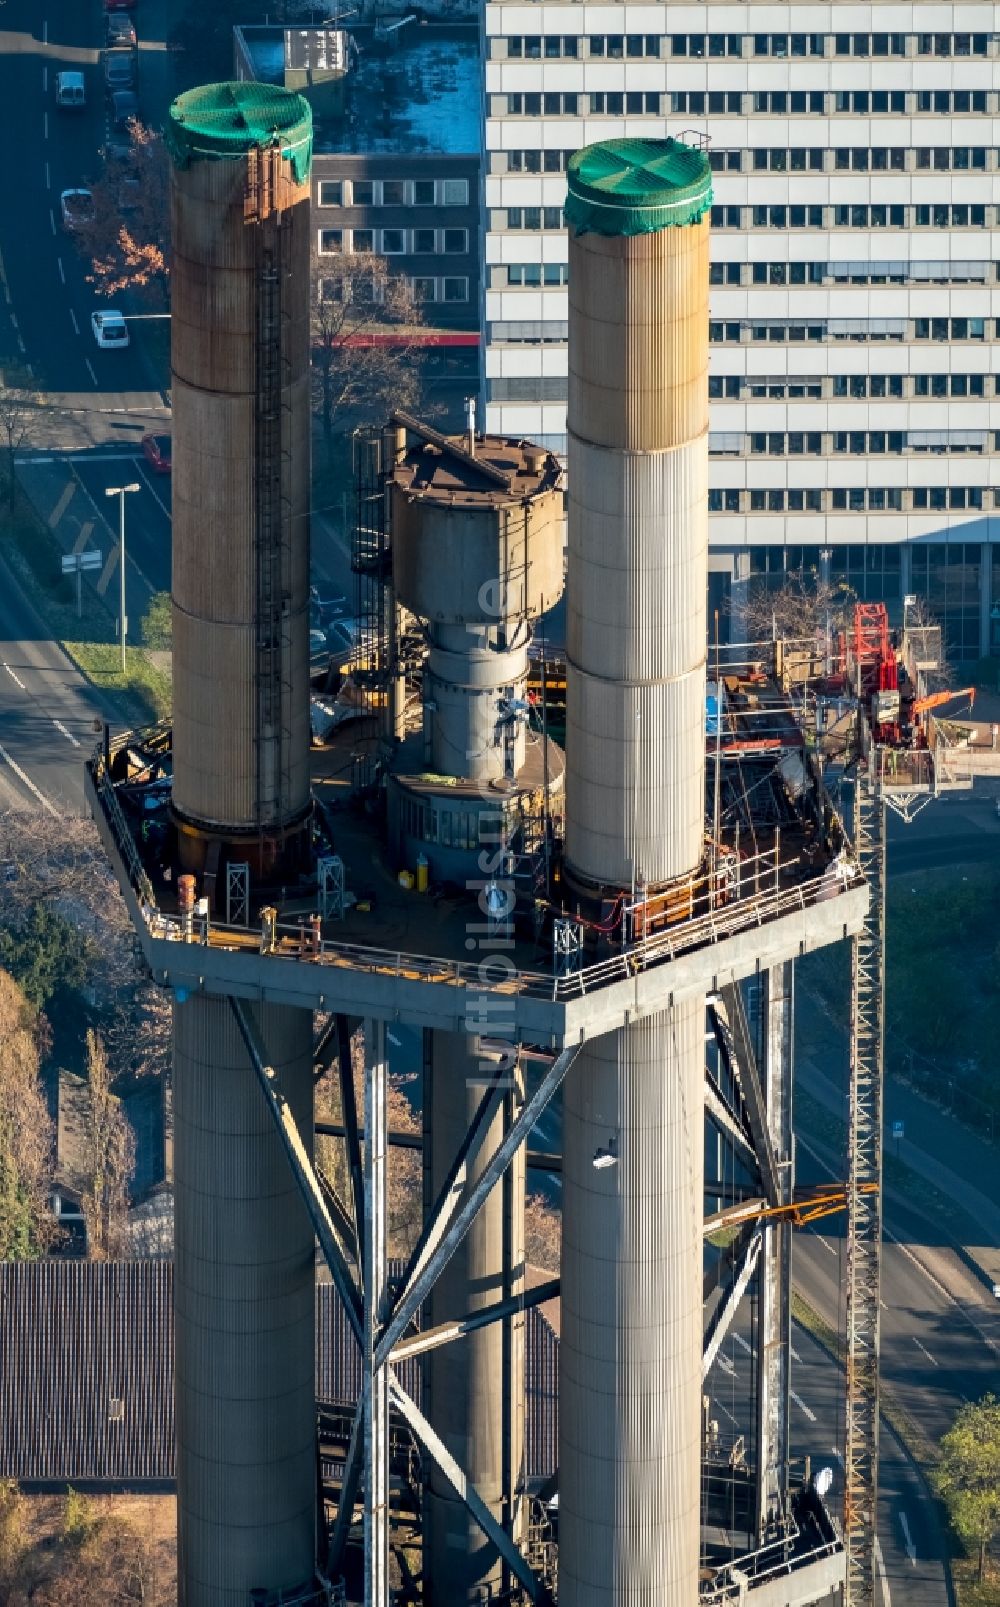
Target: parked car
(76,208)
(110,329)
(121,31)
(156,449)
(71,94)
(124,108)
(119,70)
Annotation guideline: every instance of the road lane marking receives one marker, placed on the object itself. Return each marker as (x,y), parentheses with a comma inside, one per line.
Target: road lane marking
(68,734)
(800,1403)
(946,1294)
(48,177)
(63,503)
(883,1579)
(72,319)
(84,536)
(911,1550)
(52,220)
(15,677)
(743,1344)
(45,125)
(65,498)
(45,79)
(62,270)
(723,1408)
(20,341)
(104,578)
(90,371)
(926,1352)
(28,782)
(826,1245)
(152,489)
(45,33)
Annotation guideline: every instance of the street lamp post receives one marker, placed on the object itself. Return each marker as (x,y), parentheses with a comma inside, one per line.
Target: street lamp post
(120,491)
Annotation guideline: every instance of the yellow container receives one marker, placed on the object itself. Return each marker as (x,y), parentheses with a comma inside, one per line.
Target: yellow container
(406,879)
(423,873)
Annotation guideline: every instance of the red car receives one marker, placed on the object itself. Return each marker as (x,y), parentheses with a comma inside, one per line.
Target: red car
(119,5)
(156,450)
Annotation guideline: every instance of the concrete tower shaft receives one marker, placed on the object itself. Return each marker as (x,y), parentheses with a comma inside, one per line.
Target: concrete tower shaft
(240,368)
(243,1296)
(638,529)
(631,1316)
(475,1391)
(630,1358)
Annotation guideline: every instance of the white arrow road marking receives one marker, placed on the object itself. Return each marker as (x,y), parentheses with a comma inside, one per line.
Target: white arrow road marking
(15,677)
(800,1403)
(911,1550)
(67,734)
(28,783)
(880,1563)
(726,1364)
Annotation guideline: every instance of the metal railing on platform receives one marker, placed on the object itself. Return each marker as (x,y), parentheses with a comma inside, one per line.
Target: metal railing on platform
(753,900)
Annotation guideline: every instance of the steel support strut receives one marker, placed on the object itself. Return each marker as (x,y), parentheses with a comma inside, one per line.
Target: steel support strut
(774,1277)
(375,1386)
(864,1209)
(333,1250)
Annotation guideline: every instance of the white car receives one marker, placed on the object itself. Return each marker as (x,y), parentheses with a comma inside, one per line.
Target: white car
(77,208)
(110,329)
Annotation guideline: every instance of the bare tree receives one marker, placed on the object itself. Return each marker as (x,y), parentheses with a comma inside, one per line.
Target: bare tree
(805,606)
(127,240)
(110,1161)
(27,1225)
(366,323)
(18,404)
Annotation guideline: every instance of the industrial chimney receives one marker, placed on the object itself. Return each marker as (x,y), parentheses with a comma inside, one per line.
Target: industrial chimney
(244,1261)
(630,1356)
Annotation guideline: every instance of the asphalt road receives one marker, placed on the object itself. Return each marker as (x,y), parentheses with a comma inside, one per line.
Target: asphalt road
(47,714)
(96,404)
(910,1572)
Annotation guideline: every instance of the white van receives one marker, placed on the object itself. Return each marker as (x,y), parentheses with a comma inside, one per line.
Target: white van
(70,91)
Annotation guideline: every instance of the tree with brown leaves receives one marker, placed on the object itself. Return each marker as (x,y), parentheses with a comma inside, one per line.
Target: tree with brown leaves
(110,1161)
(27,1225)
(366,324)
(128,238)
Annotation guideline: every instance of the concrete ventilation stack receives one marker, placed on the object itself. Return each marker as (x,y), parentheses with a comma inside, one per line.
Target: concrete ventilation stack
(477,555)
(630,1355)
(244,1258)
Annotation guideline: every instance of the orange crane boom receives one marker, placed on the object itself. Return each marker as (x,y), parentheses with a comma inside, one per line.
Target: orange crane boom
(934,700)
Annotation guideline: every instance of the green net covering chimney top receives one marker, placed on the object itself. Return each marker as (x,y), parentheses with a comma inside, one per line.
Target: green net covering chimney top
(220,121)
(637,186)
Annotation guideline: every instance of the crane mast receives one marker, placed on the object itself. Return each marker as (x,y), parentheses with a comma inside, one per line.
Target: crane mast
(864,1190)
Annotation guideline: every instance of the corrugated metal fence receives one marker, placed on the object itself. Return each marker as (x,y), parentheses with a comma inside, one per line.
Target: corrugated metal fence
(87,1372)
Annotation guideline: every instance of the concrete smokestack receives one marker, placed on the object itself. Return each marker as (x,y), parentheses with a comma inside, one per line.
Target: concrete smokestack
(630,1356)
(240,371)
(244,1250)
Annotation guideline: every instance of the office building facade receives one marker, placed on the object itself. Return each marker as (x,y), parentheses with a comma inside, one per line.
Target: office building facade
(855,312)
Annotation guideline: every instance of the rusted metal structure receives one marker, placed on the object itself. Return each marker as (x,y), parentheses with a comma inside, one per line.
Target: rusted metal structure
(240,375)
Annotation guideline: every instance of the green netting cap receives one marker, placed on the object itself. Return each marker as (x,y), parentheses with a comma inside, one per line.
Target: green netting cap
(637,186)
(220,121)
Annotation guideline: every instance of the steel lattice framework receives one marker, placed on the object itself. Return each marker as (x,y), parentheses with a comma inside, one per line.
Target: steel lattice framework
(864,1202)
